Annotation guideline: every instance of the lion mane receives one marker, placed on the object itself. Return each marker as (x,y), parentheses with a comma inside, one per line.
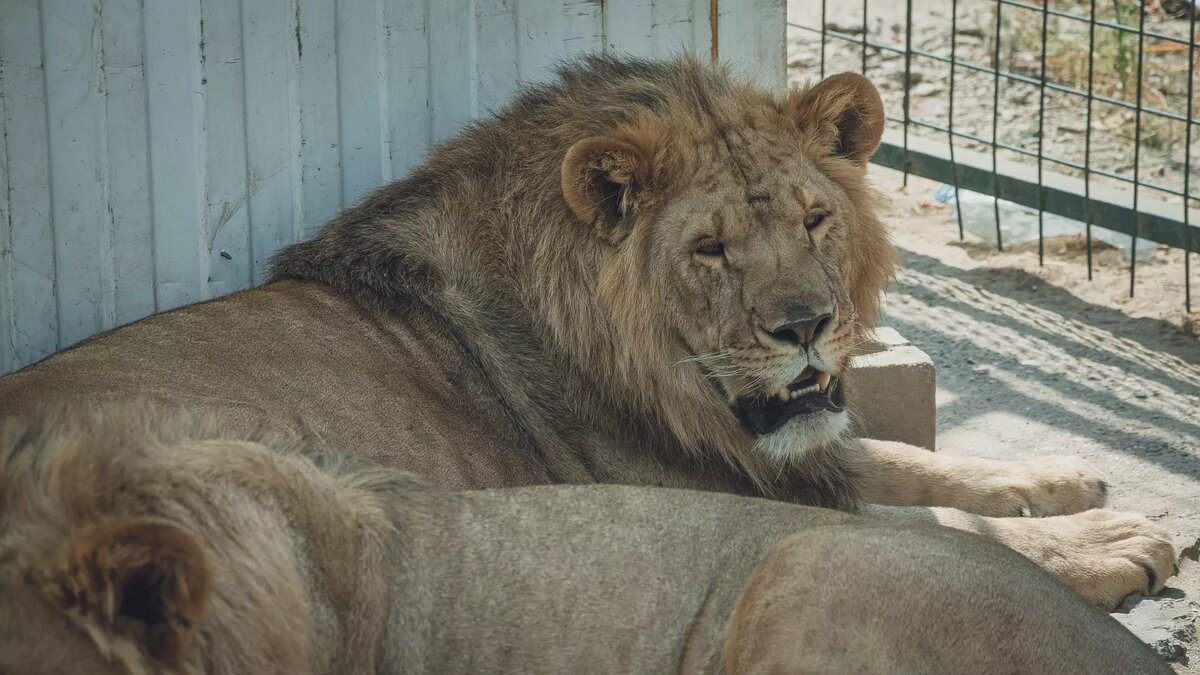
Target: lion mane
(482,236)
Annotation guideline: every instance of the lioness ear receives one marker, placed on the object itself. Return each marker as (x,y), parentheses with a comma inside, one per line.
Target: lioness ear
(133,580)
(601,180)
(842,114)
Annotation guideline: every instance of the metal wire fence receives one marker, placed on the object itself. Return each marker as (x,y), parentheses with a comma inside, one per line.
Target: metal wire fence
(1099,71)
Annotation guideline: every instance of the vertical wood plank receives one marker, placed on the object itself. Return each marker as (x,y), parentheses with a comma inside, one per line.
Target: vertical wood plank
(317,89)
(451,84)
(702,28)
(74,107)
(541,32)
(127,160)
(627,26)
(170,148)
(177,151)
(6,301)
(226,215)
(31,235)
(270,53)
(495,38)
(583,27)
(359,98)
(671,31)
(753,39)
(407,57)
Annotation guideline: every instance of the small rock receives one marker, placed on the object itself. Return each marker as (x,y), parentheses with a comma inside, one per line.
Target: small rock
(914,76)
(1178,157)
(1018,95)
(927,89)
(848,29)
(1191,552)
(1170,649)
(1140,394)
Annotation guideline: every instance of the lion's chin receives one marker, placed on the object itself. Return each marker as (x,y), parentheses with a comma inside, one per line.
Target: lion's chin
(799,435)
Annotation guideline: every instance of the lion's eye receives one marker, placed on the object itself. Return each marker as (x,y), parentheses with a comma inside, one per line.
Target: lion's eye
(710,247)
(814,220)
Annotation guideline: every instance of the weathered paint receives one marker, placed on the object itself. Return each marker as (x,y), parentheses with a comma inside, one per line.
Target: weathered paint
(29,250)
(154,154)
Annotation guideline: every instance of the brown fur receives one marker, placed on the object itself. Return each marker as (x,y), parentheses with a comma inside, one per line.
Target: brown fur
(136,522)
(570,321)
(140,540)
(531,306)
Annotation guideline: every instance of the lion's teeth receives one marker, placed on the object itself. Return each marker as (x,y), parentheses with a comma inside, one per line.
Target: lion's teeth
(823,379)
(782,394)
(807,390)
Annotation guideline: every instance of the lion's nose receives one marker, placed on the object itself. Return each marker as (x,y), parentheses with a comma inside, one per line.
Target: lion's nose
(802,327)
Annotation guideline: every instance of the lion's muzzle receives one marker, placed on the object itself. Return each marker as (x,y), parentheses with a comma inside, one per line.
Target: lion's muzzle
(813,391)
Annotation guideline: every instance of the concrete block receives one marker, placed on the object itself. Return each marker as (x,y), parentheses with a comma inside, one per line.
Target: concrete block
(892,390)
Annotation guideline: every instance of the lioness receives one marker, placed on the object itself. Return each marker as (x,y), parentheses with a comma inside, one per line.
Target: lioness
(644,273)
(141,541)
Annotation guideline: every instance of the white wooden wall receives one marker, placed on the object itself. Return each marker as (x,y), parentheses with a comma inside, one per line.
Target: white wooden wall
(154,153)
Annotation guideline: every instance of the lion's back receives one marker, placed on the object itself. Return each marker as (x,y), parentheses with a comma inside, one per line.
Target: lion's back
(297,358)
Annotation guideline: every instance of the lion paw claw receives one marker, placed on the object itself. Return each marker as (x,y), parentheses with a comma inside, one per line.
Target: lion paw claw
(1103,555)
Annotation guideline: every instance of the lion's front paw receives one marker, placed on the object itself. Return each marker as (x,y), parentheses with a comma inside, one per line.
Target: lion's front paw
(1052,486)
(1103,555)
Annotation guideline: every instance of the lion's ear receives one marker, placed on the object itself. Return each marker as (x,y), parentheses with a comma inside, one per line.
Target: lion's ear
(602,177)
(140,580)
(842,114)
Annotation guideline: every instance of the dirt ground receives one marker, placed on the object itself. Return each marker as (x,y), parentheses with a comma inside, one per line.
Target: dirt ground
(1037,361)
(1114,134)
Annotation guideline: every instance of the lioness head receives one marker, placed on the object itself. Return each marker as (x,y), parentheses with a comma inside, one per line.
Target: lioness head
(739,232)
(122,597)
(123,549)
(84,590)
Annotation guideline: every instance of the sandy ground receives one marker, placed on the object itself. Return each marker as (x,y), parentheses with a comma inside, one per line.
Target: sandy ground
(1112,139)
(1037,361)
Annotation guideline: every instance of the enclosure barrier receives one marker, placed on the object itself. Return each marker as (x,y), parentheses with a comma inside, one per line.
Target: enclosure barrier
(1128,202)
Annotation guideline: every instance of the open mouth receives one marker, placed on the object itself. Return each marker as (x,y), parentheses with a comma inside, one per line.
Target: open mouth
(812,391)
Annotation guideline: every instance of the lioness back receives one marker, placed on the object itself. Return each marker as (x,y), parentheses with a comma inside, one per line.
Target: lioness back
(136,539)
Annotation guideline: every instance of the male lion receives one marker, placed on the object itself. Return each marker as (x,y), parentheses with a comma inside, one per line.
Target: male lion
(142,541)
(645,273)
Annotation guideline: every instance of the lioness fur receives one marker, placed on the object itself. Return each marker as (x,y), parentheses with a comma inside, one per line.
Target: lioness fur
(616,279)
(138,540)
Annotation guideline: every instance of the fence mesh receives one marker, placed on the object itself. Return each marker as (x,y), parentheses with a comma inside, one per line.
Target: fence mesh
(1080,110)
